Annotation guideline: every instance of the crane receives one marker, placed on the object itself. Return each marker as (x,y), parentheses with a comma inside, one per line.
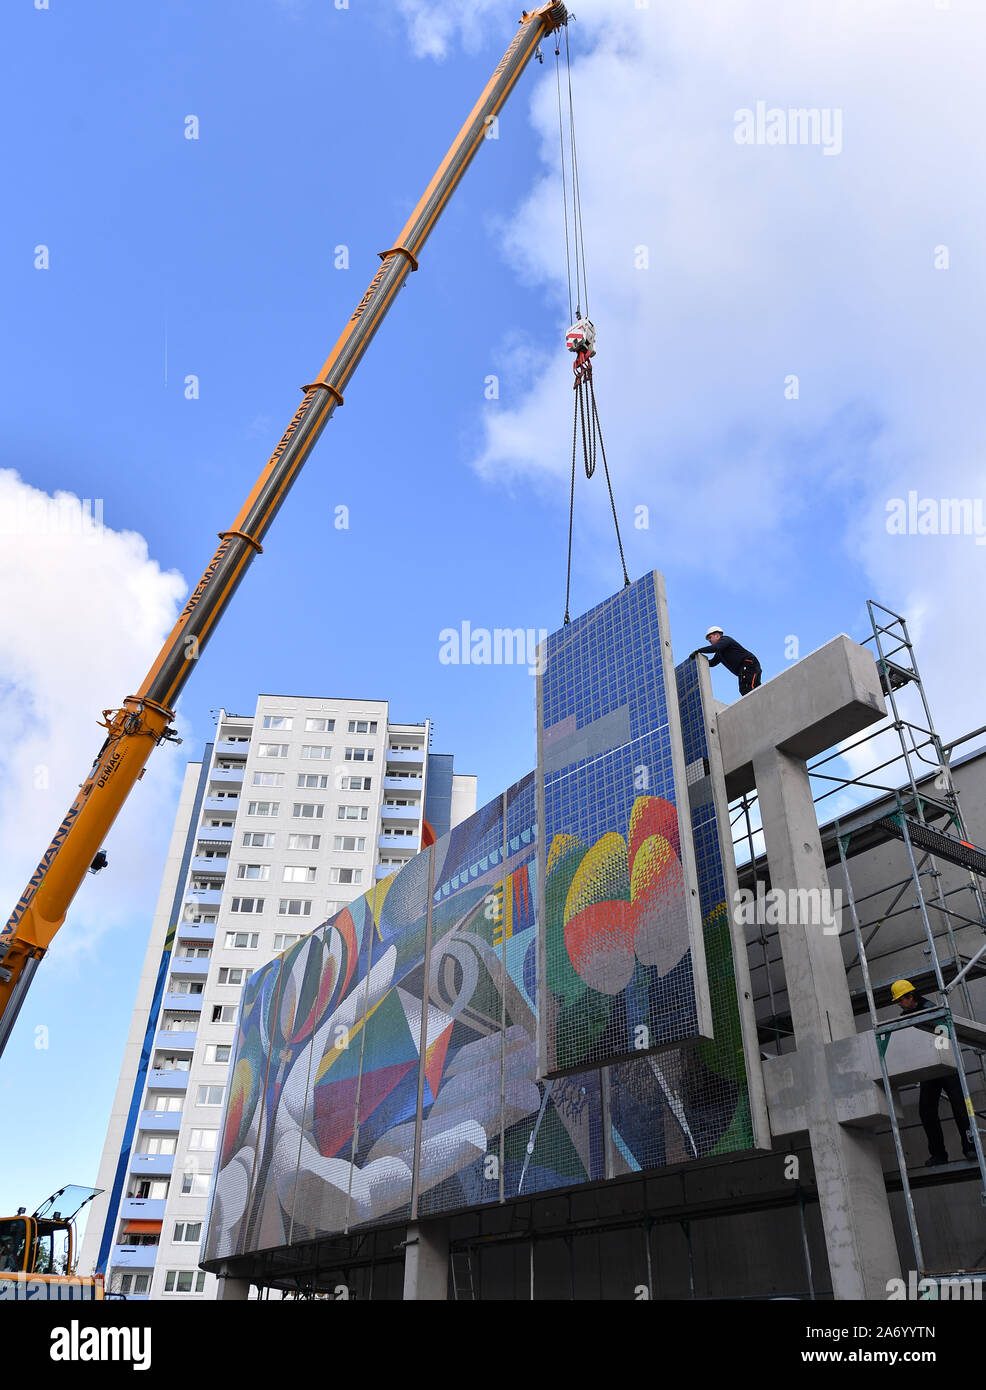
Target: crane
(144,720)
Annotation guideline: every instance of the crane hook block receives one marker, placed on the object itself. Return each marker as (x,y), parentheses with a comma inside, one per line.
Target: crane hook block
(581,338)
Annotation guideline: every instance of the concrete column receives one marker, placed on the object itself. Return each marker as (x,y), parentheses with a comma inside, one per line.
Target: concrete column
(230,1288)
(766,738)
(859,1237)
(426,1261)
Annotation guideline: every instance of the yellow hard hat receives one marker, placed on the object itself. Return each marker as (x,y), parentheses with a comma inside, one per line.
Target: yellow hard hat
(900,988)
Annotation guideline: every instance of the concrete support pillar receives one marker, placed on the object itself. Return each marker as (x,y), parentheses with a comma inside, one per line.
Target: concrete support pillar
(426,1261)
(826,1086)
(859,1237)
(230,1288)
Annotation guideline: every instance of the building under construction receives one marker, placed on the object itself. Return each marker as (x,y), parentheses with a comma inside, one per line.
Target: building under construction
(522,1073)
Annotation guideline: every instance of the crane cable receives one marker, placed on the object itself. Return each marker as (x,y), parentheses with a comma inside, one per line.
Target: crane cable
(580,338)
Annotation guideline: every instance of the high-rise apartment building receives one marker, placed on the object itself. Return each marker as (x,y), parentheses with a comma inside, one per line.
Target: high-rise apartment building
(292,812)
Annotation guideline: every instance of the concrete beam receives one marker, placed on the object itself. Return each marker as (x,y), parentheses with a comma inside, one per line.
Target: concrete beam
(826,697)
(235,1290)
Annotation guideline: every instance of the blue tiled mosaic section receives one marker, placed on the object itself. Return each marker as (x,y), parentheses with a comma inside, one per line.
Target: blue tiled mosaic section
(618,963)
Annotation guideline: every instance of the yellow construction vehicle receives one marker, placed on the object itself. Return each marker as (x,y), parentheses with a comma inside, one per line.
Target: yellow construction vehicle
(145,719)
(37,1253)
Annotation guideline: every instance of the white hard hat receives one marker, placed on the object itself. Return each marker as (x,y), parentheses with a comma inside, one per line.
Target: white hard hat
(714,628)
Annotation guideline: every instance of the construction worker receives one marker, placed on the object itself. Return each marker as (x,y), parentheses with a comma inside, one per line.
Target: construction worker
(728,652)
(906,997)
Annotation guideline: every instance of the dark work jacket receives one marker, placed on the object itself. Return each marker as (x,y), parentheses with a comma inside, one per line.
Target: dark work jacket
(730,654)
(923,1003)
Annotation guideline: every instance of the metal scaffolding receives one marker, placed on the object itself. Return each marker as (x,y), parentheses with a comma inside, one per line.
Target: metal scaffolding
(930,826)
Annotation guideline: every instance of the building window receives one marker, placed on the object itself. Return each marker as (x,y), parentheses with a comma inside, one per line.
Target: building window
(304,841)
(263,808)
(396,830)
(353,812)
(260,871)
(209,1095)
(284,940)
(195,952)
(278,721)
(132,1283)
(308,810)
(359,755)
(268,779)
(165,1062)
(187,1233)
(217,1052)
(295,907)
(355,784)
(224,1013)
(231,975)
(195,1184)
(246,905)
(203,1139)
(314,781)
(242,940)
(184,1281)
(298,873)
(349,843)
(272,750)
(157,1144)
(161,1105)
(320,726)
(362,726)
(186,986)
(259,839)
(148,1189)
(345,875)
(315,751)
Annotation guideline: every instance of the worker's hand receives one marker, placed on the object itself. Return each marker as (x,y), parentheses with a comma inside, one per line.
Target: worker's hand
(691,654)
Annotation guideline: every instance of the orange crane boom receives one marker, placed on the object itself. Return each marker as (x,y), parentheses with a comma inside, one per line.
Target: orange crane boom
(144,720)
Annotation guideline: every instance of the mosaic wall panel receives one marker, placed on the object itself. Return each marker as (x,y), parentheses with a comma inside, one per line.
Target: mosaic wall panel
(691,1102)
(386,1066)
(624,966)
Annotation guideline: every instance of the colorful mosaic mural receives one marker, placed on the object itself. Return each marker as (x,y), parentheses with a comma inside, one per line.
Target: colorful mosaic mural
(386,1067)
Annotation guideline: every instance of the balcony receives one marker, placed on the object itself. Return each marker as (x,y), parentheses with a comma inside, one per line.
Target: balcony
(196,931)
(405,842)
(161,1121)
(203,897)
(225,748)
(218,834)
(403,784)
(133,1257)
(221,803)
(386,870)
(402,757)
(203,865)
(225,776)
(183,1003)
(143,1208)
(147,1165)
(160,1080)
(175,1040)
(401,813)
(197,966)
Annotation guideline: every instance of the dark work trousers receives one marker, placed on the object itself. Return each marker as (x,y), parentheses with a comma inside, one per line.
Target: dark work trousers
(928,1110)
(749,676)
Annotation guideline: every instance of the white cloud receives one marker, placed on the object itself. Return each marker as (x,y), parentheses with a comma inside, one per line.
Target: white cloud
(434,28)
(766,261)
(85,611)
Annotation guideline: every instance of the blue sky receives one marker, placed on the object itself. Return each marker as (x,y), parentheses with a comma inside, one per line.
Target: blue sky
(318,128)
